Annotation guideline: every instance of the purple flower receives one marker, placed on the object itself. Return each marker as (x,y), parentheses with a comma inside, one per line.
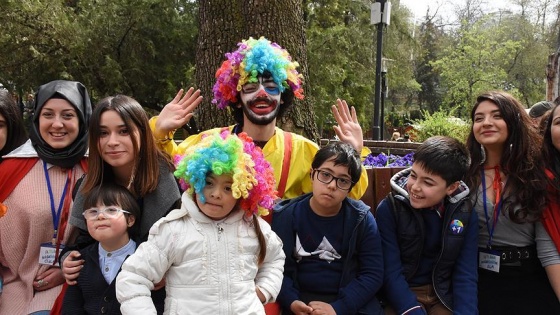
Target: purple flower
(382,160)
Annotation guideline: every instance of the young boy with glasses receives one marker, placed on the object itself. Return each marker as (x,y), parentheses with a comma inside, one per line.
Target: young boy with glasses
(334,262)
(111,220)
(429,234)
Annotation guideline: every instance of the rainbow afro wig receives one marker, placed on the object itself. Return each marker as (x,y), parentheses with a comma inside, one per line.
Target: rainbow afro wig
(251,59)
(226,153)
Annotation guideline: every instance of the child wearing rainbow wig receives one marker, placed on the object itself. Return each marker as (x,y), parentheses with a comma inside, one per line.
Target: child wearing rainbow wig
(218,256)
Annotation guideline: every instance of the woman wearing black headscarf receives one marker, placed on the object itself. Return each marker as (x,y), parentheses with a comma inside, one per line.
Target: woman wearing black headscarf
(36,182)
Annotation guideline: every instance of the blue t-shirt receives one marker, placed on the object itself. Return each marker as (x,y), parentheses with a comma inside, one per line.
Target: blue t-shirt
(319,251)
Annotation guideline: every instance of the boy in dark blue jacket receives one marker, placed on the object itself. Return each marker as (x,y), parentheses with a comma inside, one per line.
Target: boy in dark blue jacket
(334,262)
(429,234)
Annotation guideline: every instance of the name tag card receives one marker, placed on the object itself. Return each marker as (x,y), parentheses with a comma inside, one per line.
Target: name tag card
(489,260)
(47,255)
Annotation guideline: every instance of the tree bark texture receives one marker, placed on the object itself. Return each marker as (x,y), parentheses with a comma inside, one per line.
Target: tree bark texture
(552,77)
(224,23)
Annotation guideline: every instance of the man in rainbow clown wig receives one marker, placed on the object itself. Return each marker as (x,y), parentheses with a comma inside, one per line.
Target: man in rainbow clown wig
(258,83)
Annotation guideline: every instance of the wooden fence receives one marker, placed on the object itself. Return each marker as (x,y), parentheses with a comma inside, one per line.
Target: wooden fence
(379,185)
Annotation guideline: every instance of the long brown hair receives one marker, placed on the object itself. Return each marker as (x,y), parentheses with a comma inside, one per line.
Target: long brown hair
(521,159)
(146,169)
(261,239)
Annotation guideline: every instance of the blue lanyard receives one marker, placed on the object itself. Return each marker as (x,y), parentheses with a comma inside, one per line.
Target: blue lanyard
(497,210)
(55,214)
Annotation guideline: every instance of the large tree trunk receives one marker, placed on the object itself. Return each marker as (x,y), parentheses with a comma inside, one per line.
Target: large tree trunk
(224,23)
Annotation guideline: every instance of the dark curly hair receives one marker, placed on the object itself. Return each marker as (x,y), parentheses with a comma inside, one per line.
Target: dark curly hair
(521,160)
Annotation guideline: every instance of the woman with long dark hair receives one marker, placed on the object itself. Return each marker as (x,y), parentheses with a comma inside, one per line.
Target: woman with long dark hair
(123,150)
(508,188)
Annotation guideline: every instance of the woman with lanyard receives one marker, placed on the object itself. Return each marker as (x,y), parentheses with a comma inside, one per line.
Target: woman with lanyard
(508,189)
(36,181)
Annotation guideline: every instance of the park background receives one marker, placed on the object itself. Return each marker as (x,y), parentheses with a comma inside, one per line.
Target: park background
(438,57)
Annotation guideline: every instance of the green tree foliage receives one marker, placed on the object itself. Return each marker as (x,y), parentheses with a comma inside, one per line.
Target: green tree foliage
(142,48)
(526,70)
(147,49)
(36,38)
(341,48)
(340,57)
(476,63)
(430,39)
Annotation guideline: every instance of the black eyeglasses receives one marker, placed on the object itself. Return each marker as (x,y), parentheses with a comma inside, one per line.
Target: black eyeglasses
(108,212)
(326,178)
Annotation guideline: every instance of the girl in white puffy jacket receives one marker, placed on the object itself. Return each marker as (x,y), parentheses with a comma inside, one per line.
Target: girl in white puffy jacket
(216,254)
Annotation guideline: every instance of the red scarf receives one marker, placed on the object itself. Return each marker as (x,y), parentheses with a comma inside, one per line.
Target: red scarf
(551,213)
(12,171)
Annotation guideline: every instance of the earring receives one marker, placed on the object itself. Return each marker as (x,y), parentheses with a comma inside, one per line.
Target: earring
(483,154)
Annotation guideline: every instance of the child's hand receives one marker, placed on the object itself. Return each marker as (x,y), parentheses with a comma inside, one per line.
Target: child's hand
(71,267)
(300,308)
(159,285)
(321,308)
(261,296)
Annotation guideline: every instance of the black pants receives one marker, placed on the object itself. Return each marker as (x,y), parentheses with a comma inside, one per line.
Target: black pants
(519,290)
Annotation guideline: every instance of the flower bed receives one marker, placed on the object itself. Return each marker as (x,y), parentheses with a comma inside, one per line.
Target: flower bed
(380,168)
(391,160)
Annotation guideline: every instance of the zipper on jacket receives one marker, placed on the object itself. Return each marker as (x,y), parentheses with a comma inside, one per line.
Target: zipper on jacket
(447,220)
(220,230)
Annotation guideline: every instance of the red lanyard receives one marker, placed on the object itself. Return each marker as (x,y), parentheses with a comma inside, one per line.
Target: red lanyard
(497,187)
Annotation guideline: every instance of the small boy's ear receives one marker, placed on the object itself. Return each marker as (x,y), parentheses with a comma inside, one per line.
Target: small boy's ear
(130,220)
(451,188)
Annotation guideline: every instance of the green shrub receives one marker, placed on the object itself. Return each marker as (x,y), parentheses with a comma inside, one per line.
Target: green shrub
(441,123)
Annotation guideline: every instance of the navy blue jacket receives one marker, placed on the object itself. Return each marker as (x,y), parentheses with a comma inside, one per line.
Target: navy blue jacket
(363,261)
(452,269)
(92,294)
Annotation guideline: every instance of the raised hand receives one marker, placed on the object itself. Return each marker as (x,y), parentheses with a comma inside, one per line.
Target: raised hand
(348,129)
(177,113)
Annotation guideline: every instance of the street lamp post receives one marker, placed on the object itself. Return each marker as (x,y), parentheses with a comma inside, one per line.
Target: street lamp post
(380,16)
(384,91)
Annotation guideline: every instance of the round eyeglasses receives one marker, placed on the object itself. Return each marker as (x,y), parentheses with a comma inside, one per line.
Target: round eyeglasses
(326,178)
(108,212)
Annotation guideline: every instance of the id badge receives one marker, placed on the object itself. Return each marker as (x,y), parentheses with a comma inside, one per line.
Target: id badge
(47,255)
(489,260)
